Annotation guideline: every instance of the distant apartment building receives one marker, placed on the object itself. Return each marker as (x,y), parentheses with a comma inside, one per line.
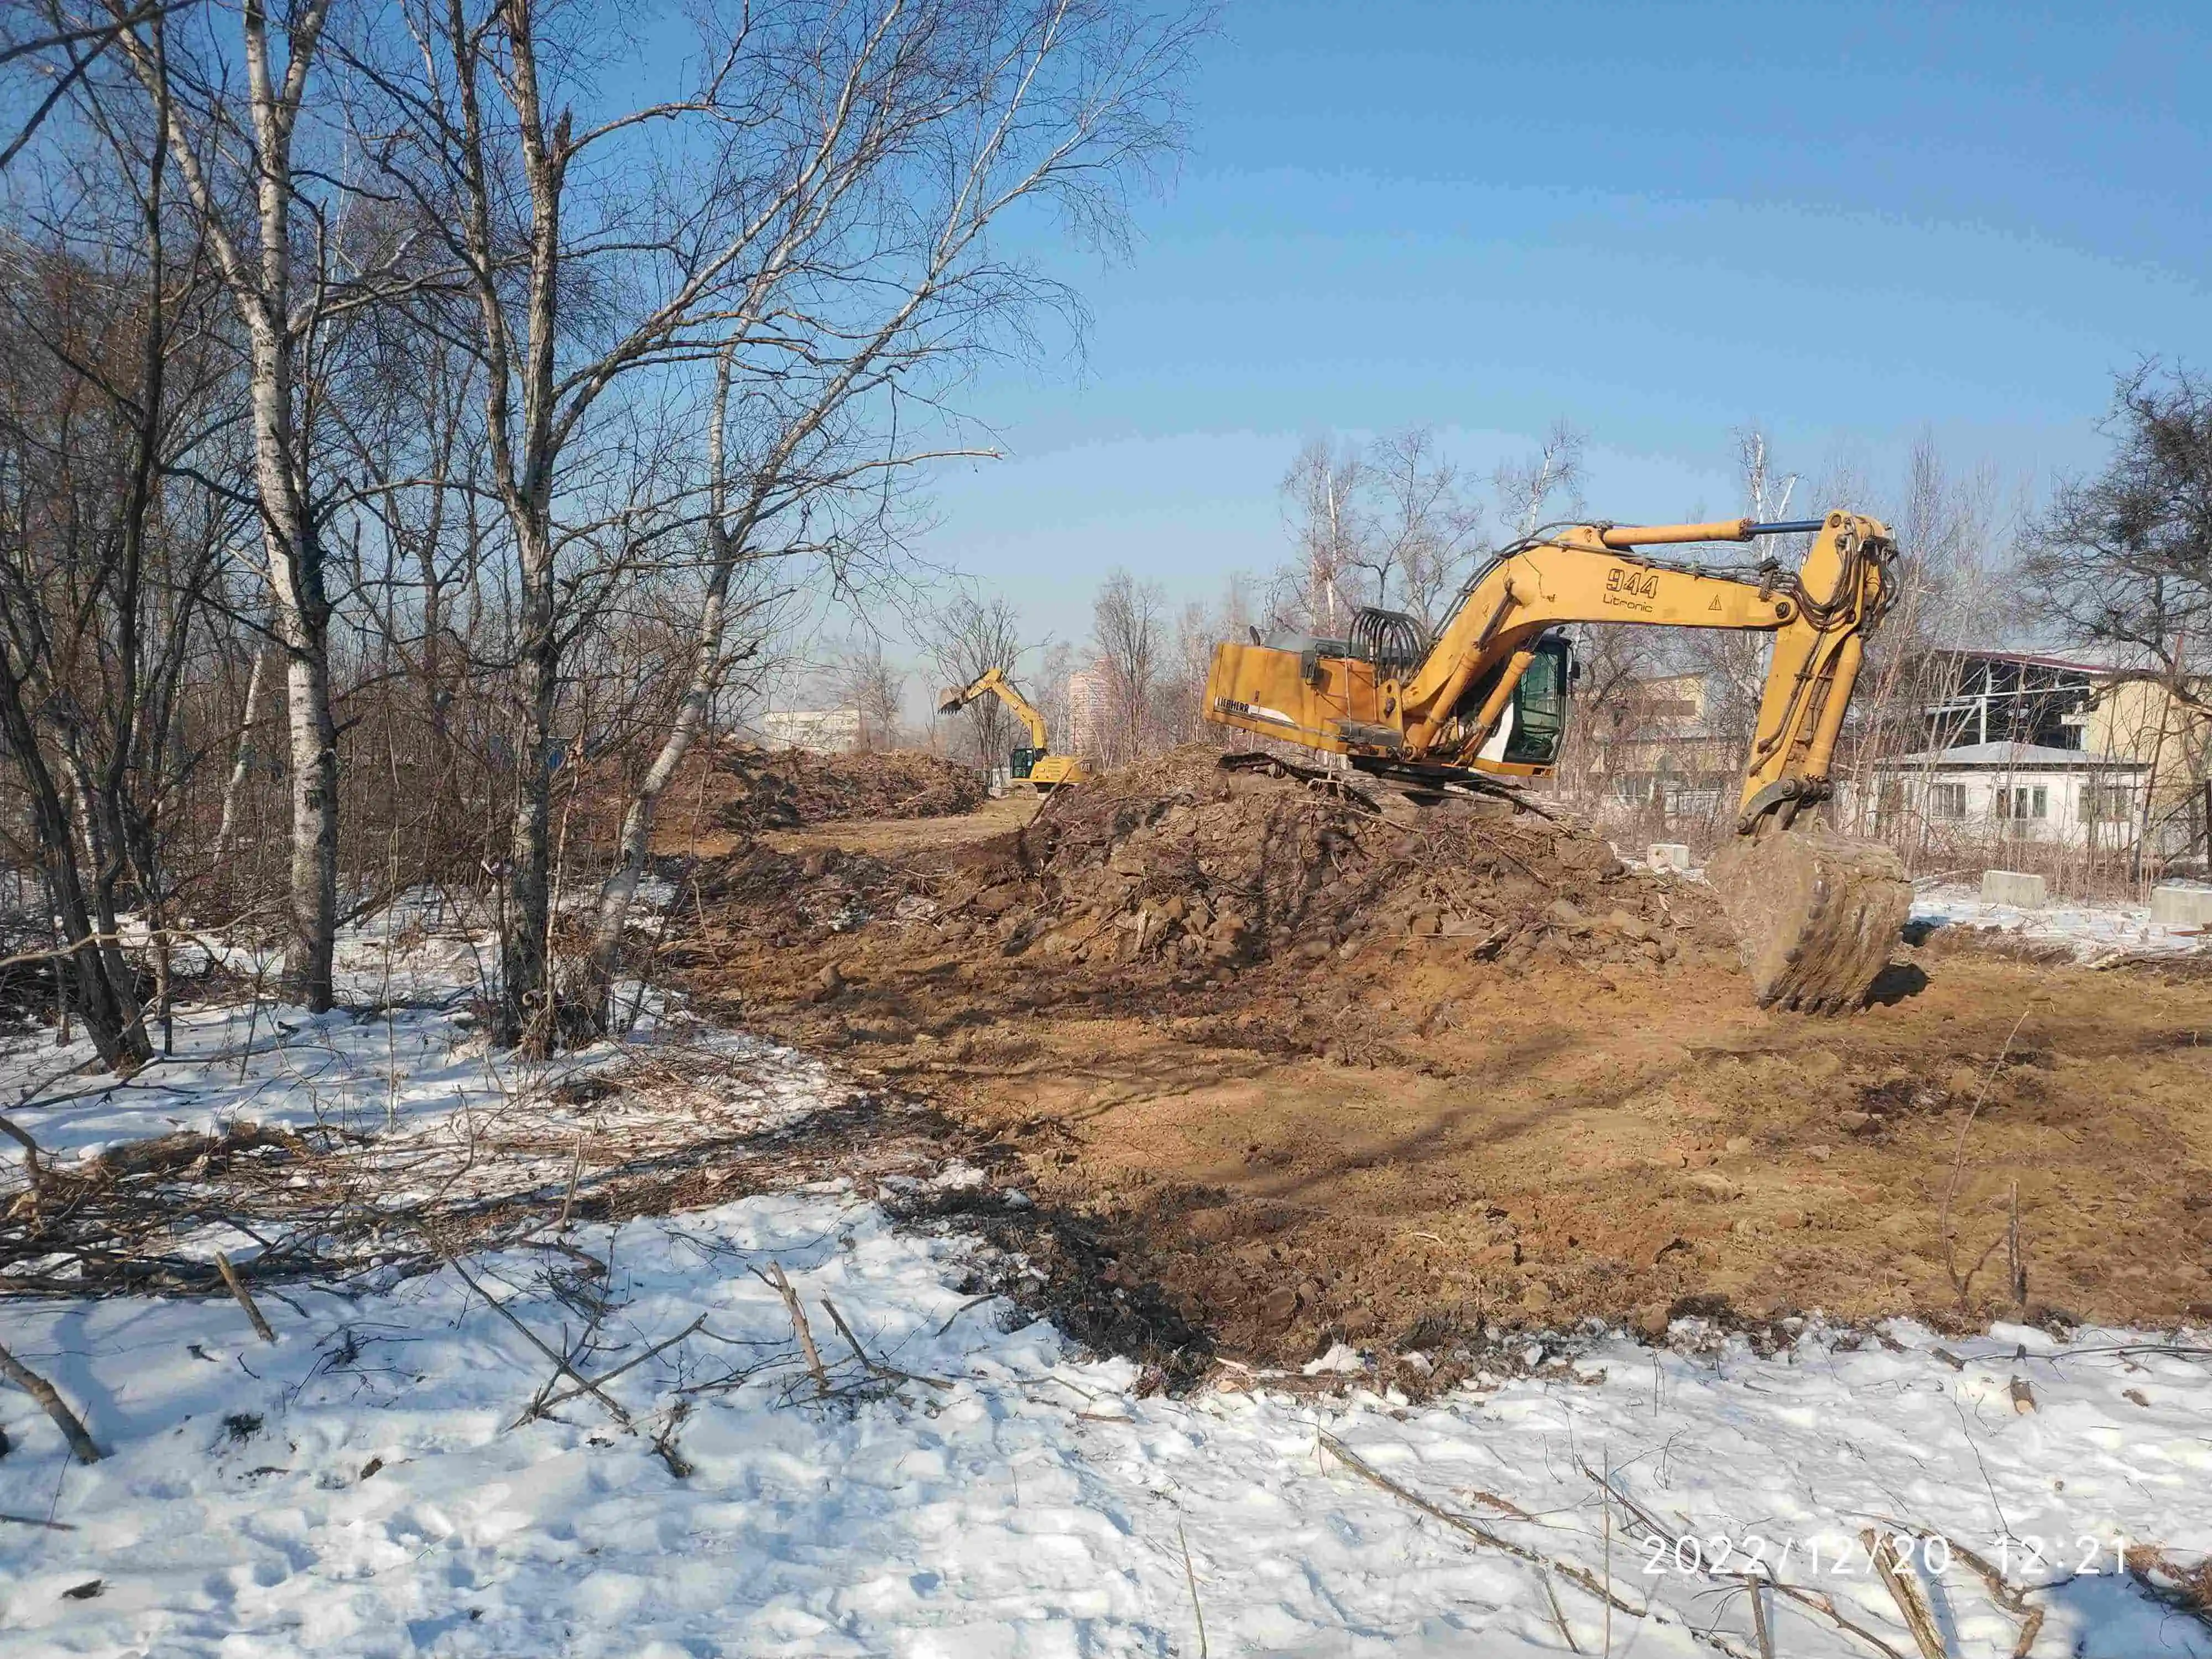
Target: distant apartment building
(1090,712)
(823,731)
(1659,744)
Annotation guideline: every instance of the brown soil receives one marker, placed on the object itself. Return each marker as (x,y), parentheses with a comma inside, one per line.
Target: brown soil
(786,788)
(1316,1073)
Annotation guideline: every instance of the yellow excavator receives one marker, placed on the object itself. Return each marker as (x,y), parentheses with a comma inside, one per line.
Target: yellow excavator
(1486,698)
(1036,765)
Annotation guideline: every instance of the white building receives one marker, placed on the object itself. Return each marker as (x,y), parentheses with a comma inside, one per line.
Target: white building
(2071,753)
(2025,792)
(823,731)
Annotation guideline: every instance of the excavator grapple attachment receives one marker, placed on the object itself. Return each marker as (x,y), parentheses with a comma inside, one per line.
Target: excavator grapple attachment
(1816,914)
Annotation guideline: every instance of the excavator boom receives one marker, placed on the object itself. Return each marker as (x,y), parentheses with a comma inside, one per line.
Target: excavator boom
(1487,695)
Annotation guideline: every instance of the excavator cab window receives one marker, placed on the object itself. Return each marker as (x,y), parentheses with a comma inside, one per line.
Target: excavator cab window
(1021,762)
(1539,705)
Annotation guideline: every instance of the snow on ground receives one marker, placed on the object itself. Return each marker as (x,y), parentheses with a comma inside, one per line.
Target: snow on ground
(362,1486)
(2095,931)
(400,1079)
(955,1481)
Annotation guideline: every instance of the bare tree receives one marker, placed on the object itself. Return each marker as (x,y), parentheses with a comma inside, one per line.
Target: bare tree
(845,265)
(1734,663)
(63,49)
(2123,560)
(963,637)
(234,144)
(1383,524)
(1179,703)
(867,684)
(1329,532)
(1530,490)
(1128,633)
(1050,694)
(1946,598)
(112,372)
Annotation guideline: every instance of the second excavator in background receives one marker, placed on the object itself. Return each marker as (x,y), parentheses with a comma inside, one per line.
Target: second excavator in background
(1036,765)
(1486,699)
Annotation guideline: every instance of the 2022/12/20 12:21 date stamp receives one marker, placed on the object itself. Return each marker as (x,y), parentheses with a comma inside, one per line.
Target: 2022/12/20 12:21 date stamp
(2030,1557)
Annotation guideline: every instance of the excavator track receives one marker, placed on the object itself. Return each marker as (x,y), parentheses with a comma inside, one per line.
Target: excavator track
(1816,914)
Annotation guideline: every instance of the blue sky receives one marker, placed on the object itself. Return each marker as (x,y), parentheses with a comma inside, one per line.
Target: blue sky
(1661,222)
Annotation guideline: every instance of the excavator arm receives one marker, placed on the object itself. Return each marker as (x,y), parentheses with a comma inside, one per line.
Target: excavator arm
(984,684)
(1813,915)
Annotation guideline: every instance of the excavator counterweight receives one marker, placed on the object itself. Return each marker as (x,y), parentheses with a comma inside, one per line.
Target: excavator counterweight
(1487,693)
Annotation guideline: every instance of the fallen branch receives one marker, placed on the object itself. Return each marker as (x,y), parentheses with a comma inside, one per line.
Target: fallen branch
(244,1297)
(31,1169)
(575,1170)
(1881,1550)
(2013,1598)
(1558,1614)
(1588,1580)
(664,1442)
(1818,1601)
(70,1424)
(1190,1579)
(538,1408)
(33,1521)
(870,1366)
(614,1406)
(776,1276)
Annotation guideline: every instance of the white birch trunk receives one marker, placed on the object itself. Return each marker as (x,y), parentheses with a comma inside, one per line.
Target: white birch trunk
(243,764)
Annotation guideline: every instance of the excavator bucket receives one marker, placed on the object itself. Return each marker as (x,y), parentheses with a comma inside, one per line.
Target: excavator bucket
(1816,914)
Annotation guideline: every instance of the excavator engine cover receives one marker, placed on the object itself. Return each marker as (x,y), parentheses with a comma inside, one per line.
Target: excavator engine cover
(1816,914)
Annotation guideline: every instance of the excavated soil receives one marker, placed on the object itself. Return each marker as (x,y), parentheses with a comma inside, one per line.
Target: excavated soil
(786,788)
(1307,1072)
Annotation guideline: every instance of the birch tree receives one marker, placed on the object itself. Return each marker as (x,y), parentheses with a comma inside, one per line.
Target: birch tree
(235,139)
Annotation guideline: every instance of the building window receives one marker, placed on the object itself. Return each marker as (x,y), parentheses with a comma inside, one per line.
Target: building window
(2023,801)
(2107,803)
(1947,800)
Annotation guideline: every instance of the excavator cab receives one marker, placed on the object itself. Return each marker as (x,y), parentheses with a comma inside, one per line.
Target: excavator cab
(1527,741)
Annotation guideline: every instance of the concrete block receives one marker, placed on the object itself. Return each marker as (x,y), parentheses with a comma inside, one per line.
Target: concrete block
(2181,907)
(2011,887)
(1669,855)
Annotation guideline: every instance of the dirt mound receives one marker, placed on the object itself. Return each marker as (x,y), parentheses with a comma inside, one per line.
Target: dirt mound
(1178,868)
(788,788)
